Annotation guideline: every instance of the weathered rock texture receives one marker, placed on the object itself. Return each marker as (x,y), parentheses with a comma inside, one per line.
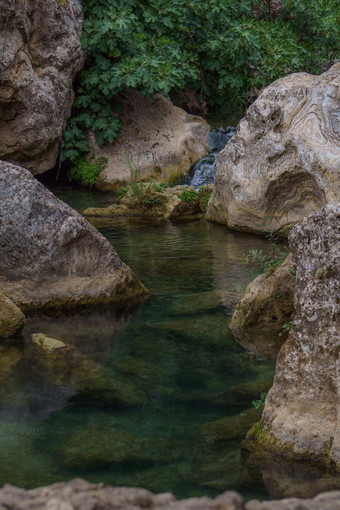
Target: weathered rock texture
(50,255)
(283,162)
(158,140)
(40,53)
(267,304)
(12,319)
(301,415)
(79,494)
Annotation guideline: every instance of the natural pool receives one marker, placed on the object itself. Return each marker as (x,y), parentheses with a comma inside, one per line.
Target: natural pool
(128,406)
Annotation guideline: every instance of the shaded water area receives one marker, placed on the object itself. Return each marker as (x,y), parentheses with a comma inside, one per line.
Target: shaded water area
(130,403)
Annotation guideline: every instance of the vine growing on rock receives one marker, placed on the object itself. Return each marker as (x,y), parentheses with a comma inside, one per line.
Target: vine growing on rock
(222,49)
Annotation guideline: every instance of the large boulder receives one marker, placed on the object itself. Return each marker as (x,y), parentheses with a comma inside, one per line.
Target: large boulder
(12,319)
(158,141)
(39,57)
(266,310)
(51,256)
(301,415)
(283,162)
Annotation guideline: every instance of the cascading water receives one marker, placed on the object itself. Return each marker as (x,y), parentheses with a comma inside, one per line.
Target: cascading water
(205,169)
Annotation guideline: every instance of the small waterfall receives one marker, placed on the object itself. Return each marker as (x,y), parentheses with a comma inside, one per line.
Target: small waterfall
(205,169)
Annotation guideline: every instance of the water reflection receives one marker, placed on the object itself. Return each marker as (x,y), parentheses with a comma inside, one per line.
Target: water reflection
(127,404)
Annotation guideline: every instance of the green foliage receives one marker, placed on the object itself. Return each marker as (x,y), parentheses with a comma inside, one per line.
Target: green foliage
(260,402)
(204,194)
(219,48)
(86,172)
(287,327)
(142,195)
(188,195)
(264,262)
(293,271)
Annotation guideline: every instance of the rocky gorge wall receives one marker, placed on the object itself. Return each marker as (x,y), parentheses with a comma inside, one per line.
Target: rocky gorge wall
(40,54)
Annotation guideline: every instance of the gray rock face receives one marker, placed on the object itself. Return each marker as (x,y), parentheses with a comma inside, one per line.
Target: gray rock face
(40,53)
(12,319)
(267,304)
(50,255)
(79,494)
(301,415)
(283,162)
(158,141)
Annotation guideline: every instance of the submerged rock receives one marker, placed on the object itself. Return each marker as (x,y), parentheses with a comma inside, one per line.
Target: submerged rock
(12,319)
(158,140)
(51,257)
(48,344)
(267,305)
(39,58)
(283,161)
(301,412)
(230,427)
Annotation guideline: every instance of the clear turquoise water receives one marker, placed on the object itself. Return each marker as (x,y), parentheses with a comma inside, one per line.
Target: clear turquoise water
(127,405)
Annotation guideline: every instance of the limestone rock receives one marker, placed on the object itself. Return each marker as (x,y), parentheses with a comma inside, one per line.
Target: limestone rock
(301,415)
(158,140)
(12,319)
(283,162)
(40,55)
(51,257)
(267,304)
(77,494)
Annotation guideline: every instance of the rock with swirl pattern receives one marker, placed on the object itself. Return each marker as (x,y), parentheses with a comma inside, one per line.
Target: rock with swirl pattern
(283,162)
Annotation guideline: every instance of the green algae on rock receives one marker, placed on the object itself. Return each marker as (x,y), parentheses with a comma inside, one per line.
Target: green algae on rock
(52,258)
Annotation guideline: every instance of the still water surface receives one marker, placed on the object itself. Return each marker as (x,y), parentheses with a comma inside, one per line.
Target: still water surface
(128,405)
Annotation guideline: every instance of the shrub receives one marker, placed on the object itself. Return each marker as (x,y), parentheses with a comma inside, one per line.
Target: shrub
(221,49)
(86,172)
(260,402)
(188,195)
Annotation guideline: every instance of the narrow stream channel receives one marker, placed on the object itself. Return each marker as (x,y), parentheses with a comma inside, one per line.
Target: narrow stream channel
(128,405)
